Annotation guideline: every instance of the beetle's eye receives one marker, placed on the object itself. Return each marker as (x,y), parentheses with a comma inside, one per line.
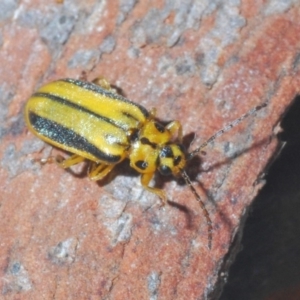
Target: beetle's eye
(165,170)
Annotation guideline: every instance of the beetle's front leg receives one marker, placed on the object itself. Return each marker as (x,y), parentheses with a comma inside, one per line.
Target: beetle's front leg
(175,127)
(145,179)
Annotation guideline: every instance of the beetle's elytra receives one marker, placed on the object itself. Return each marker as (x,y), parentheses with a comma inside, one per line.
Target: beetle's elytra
(94,123)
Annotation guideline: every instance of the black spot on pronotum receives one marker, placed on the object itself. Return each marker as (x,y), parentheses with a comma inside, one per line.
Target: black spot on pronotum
(141,164)
(159,127)
(146,141)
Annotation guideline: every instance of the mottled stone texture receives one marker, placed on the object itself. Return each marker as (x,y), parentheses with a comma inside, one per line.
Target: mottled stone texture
(204,63)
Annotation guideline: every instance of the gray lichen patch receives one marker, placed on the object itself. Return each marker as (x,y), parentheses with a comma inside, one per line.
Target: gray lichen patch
(154,28)
(58,30)
(118,222)
(126,7)
(16,279)
(279,6)
(85,58)
(7,9)
(153,282)
(7,93)
(64,252)
(16,161)
(228,23)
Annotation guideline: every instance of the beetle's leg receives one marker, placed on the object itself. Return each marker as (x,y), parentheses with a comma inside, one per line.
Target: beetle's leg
(83,76)
(175,127)
(99,171)
(152,113)
(64,162)
(101,81)
(145,179)
(69,162)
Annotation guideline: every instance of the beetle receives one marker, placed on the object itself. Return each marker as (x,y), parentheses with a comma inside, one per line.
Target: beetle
(94,123)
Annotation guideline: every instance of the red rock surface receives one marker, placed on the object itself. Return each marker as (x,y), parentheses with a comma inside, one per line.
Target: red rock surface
(65,237)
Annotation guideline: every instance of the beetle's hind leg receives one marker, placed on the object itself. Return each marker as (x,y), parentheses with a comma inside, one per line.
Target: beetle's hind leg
(63,162)
(68,162)
(98,171)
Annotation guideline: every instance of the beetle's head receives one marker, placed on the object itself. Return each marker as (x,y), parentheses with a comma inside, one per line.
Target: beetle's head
(171,159)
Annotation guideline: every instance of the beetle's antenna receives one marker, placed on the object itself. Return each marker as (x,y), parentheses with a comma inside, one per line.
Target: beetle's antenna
(225,129)
(202,205)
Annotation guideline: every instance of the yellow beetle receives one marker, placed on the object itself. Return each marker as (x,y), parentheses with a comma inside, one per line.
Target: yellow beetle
(96,124)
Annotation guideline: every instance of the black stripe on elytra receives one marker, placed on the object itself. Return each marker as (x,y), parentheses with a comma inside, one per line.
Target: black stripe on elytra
(128,115)
(77,107)
(67,137)
(98,89)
